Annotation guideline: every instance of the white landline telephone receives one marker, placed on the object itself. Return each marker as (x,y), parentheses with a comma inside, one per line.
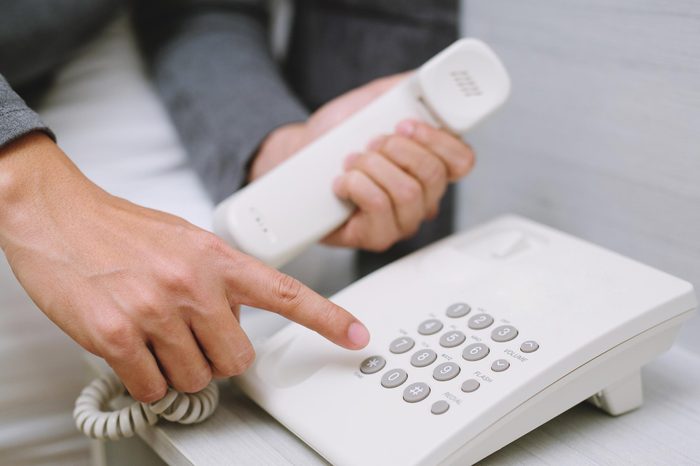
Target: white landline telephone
(476,339)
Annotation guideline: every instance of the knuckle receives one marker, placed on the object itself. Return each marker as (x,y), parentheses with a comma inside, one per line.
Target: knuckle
(196,382)
(378,244)
(116,337)
(209,242)
(434,172)
(178,277)
(378,202)
(410,192)
(150,394)
(287,288)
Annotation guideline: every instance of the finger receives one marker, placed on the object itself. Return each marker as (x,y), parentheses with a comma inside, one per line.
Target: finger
(373,225)
(253,283)
(405,192)
(457,155)
(180,358)
(419,162)
(139,372)
(223,341)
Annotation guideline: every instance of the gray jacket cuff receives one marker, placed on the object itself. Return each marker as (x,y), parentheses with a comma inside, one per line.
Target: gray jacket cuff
(16,119)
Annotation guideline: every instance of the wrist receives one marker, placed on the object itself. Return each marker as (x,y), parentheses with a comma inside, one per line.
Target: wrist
(34,173)
(279,144)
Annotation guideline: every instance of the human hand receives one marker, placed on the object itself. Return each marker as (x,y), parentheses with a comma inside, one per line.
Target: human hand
(152,294)
(396,183)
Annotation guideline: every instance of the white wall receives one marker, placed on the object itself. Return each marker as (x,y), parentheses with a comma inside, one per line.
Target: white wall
(601,137)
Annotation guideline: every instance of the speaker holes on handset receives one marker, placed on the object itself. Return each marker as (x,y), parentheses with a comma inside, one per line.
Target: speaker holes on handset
(465,83)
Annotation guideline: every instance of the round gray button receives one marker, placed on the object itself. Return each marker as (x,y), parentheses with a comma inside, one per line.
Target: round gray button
(417,391)
(440,407)
(470,385)
(475,352)
(424,357)
(499,365)
(401,345)
(429,327)
(480,321)
(458,310)
(529,346)
(504,333)
(394,378)
(372,364)
(446,371)
(452,339)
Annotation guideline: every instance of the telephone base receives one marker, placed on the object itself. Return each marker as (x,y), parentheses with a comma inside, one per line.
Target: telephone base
(621,397)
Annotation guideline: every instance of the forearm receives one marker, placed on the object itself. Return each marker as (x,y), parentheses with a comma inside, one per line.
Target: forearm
(222,89)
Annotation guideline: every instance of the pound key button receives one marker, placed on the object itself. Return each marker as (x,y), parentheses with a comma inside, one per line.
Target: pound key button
(417,391)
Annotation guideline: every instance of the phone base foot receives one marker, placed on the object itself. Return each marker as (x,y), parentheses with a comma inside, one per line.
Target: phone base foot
(623,396)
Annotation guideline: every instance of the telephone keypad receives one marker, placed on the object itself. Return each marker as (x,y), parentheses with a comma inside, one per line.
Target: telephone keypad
(452,338)
(446,371)
(430,327)
(504,333)
(423,358)
(394,378)
(401,345)
(480,321)
(475,352)
(449,370)
(372,364)
(417,391)
(457,310)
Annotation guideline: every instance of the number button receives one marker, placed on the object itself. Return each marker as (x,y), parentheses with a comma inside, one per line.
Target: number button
(470,385)
(417,391)
(475,352)
(372,364)
(499,365)
(394,378)
(480,321)
(430,327)
(423,358)
(440,407)
(452,339)
(529,346)
(446,371)
(401,345)
(504,333)
(457,310)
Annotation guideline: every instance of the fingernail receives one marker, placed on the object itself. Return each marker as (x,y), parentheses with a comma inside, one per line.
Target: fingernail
(358,335)
(349,161)
(406,128)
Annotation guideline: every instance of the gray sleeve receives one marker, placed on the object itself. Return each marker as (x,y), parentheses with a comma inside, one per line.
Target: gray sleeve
(211,65)
(16,119)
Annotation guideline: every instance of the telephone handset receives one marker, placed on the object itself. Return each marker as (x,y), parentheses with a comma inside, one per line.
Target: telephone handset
(476,340)
(293,206)
(276,217)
